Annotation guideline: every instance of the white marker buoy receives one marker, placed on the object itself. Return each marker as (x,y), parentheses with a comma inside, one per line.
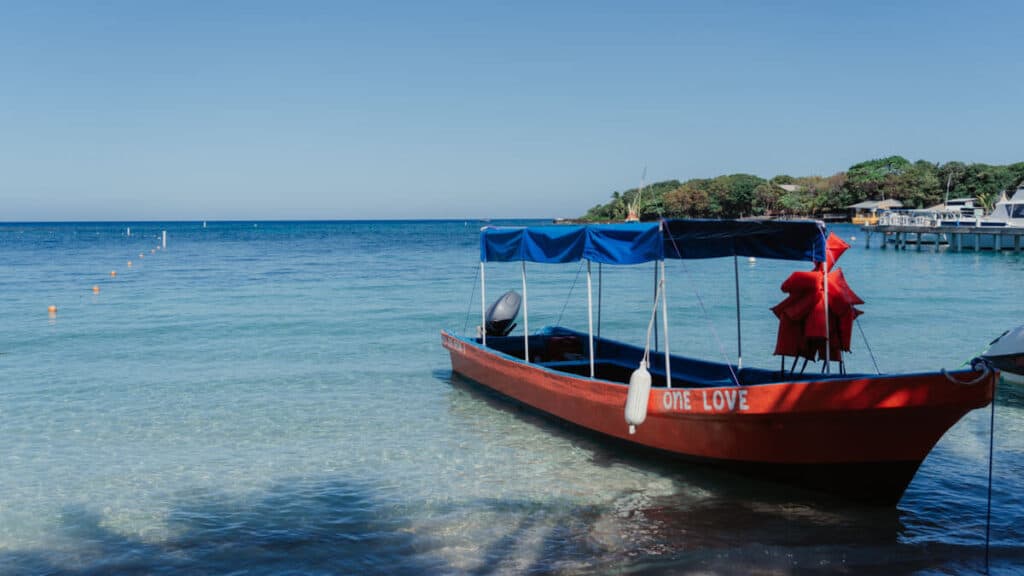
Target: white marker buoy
(164,242)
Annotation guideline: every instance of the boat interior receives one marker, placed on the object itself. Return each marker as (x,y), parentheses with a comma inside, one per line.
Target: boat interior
(565,350)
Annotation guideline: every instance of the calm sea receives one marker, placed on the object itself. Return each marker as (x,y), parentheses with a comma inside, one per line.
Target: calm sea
(272,397)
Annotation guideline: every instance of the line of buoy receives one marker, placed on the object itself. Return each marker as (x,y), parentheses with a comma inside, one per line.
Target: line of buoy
(51,310)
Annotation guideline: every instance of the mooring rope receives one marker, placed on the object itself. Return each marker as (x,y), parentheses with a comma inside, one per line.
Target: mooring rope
(991,447)
(659,289)
(569,295)
(986,369)
(868,345)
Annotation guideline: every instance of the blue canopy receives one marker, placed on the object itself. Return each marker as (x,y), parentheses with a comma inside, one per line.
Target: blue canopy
(605,243)
(644,242)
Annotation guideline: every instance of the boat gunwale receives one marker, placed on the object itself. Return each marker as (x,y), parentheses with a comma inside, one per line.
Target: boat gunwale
(811,379)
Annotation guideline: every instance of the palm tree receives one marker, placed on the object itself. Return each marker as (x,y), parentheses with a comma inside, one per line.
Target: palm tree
(987,200)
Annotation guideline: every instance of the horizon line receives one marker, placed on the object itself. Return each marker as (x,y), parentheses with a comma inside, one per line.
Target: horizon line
(257,220)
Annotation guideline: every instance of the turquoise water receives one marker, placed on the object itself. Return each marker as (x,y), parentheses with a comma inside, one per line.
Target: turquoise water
(265,397)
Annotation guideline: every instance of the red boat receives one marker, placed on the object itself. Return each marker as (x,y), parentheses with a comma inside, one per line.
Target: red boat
(860,437)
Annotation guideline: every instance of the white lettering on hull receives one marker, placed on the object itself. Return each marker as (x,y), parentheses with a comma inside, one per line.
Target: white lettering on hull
(676,400)
(720,400)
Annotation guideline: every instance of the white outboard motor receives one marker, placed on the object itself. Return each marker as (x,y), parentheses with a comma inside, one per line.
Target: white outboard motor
(1007,354)
(501,314)
(639,395)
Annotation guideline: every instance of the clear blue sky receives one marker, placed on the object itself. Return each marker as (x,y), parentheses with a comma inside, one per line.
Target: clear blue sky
(235,110)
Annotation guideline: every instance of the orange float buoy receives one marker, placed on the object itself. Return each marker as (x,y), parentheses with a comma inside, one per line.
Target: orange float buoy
(113,272)
(129,263)
(52,309)
(95,289)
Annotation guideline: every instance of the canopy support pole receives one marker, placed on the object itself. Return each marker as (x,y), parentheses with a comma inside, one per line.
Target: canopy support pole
(739,332)
(655,305)
(483,306)
(664,317)
(828,343)
(600,286)
(590,320)
(526,320)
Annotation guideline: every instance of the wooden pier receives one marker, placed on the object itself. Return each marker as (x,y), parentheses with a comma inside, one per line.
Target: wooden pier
(958,237)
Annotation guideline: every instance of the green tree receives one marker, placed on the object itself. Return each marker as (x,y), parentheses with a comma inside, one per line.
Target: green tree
(690,200)
(920,186)
(766,199)
(874,179)
(735,194)
(917,184)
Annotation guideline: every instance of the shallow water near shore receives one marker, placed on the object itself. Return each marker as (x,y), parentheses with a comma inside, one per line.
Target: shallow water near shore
(273,396)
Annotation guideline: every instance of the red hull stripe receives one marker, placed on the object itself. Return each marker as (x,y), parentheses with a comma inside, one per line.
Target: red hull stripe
(883,419)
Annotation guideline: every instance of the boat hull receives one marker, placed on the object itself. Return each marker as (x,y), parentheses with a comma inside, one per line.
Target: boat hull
(859,438)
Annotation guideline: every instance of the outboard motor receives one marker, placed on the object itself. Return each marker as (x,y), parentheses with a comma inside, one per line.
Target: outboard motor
(1007,354)
(502,313)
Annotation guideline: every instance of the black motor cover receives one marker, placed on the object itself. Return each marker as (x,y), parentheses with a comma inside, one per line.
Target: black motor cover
(501,314)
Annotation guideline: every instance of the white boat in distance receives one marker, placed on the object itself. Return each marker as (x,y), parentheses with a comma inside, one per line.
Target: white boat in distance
(960,213)
(1007,212)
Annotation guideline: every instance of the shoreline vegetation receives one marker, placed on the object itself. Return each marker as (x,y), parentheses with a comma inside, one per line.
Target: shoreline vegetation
(916,184)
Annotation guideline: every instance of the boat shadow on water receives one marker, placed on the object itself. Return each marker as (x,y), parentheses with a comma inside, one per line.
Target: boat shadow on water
(723,521)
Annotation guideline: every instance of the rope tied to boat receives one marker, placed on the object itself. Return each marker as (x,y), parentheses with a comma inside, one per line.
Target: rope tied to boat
(867,345)
(569,295)
(976,364)
(639,393)
(658,294)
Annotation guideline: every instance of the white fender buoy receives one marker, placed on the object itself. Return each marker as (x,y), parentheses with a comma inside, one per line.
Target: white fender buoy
(639,395)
